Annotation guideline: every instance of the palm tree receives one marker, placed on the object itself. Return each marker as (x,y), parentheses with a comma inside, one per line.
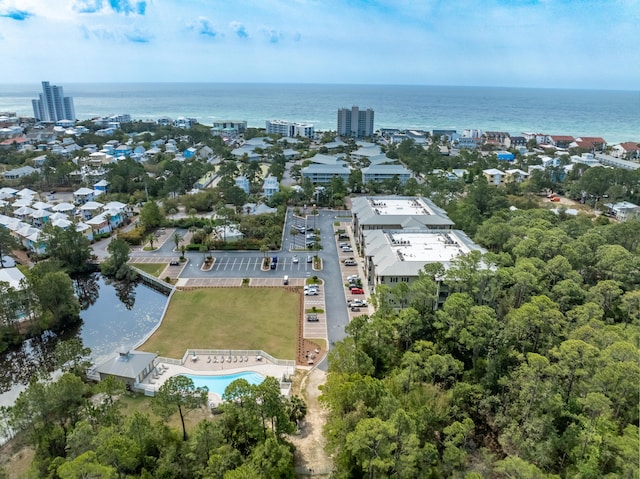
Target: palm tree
(150,239)
(183,248)
(176,239)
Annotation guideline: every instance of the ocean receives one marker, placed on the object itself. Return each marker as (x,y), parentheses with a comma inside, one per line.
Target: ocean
(613,115)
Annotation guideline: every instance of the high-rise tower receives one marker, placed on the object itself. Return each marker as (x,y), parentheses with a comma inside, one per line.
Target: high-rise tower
(354,122)
(53,105)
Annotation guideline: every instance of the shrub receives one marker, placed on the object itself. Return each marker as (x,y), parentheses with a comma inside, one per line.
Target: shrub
(134,236)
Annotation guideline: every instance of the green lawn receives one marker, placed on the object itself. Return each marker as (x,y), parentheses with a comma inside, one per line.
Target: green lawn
(229,318)
(153,269)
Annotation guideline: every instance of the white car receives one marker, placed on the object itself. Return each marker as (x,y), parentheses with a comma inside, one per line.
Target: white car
(295,258)
(311,286)
(357,303)
(311,292)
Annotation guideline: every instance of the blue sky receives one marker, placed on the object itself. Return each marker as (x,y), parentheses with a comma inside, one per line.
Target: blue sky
(533,43)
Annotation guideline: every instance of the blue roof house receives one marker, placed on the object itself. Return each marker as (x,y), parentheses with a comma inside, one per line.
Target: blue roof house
(504,155)
(189,152)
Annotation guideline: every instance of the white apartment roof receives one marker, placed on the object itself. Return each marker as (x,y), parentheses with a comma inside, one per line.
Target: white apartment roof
(406,252)
(84,192)
(386,170)
(406,211)
(493,171)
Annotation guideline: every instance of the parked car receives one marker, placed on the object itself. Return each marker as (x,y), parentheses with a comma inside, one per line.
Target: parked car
(345,245)
(354,286)
(311,292)
(309,259)
(274,259)
(357,302)
(311,286)
(353,276)
(273,265)
(174,262)
(357,291)
(350,262)
(348,249)
(295,258)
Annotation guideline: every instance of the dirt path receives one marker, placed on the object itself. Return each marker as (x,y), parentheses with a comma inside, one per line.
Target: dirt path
(311,459)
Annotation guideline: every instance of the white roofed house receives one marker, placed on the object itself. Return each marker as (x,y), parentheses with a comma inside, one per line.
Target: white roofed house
(66,208)
(624,210)
(116,212)
(41,217)
(515,176)
(90,209)
(100,224)
(84,195)
(494,176)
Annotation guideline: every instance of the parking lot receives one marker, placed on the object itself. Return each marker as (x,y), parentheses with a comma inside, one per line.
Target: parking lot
(243,263)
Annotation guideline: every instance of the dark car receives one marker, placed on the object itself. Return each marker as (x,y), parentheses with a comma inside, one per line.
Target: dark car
(174,262)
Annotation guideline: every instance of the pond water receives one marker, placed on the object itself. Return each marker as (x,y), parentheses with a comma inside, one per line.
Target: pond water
(115,316)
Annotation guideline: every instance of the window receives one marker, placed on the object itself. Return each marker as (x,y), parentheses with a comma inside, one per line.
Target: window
(394,280)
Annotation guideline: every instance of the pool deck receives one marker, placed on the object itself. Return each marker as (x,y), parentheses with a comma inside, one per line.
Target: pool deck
(204,367)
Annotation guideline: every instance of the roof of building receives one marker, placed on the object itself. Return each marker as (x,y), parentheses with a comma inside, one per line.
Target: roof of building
(493,171)
(340,168)
(630,145)
(406,252)
(13,276)
(377,169)
(126,365)
(398,210)
(326,159)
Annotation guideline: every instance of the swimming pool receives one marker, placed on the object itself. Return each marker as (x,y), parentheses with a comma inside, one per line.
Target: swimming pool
(217,384)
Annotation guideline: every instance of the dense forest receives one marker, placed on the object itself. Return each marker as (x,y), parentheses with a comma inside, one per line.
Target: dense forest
(529,369)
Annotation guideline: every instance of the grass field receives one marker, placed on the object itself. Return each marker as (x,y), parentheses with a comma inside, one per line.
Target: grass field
(153,269)
(229,318)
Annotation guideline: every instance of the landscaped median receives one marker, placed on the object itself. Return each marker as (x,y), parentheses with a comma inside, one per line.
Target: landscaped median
(229,318)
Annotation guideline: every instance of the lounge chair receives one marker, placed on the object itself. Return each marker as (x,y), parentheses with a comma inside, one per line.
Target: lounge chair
(246,359)
(229,359)
(241,359)
(215,359)
(209,359)
(235,359)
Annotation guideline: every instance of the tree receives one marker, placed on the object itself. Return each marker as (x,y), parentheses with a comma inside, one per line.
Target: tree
(7,243)
(55,296)
(176,239)
(71,356)
(179,393)
(116,265)
(151,216)
(68,246)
